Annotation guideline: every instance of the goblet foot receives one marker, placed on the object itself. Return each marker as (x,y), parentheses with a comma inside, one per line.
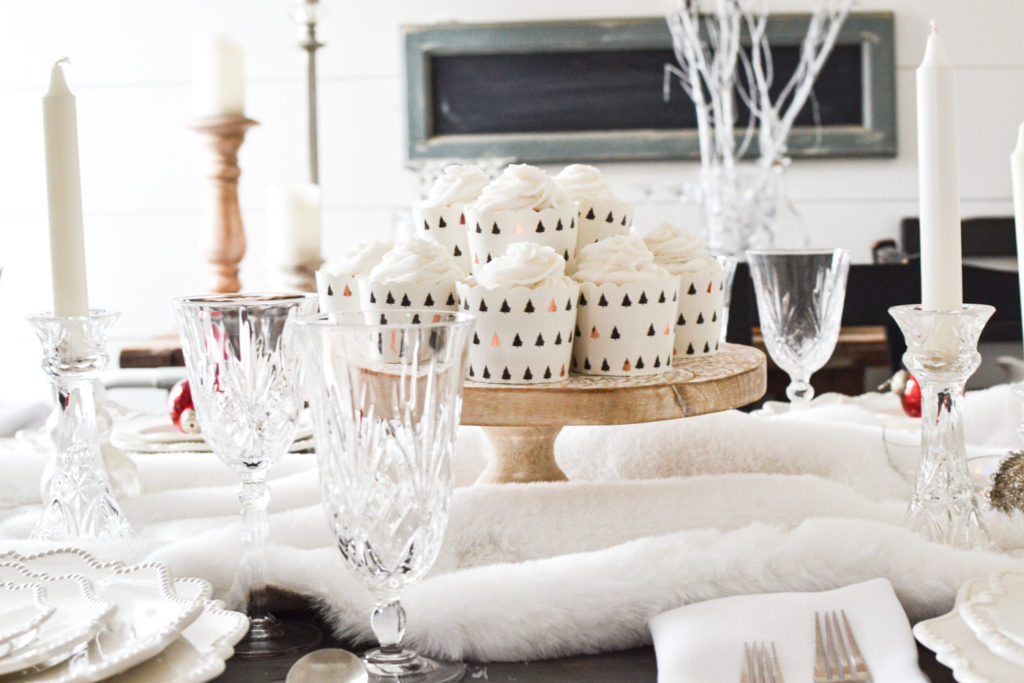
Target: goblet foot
(398,663)
(269,636)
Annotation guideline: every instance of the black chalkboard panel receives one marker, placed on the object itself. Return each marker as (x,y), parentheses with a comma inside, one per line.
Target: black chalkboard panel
(592,90)
(603,90)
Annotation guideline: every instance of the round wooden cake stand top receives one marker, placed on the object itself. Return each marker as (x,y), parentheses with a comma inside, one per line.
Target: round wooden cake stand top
(522,421)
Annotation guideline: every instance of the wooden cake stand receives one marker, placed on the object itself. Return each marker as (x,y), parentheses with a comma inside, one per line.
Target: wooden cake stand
(522,421)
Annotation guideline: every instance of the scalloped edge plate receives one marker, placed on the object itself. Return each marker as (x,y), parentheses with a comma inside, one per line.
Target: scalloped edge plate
(956,645)
(80,614)
(24,608)
(995,616)
(149,617)
(200,653)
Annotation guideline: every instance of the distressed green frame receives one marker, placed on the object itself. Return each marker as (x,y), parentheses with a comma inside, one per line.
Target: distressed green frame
(873,30)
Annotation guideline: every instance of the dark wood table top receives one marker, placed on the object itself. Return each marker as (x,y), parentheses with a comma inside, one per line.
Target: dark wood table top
(636,665)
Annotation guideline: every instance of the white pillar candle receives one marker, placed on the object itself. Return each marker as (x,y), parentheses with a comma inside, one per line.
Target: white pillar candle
(1017,174)
(293,225)
(218,76)
(64,195)
(939,187)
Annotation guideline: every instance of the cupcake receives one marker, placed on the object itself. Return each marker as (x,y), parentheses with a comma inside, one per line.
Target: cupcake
(525,309)
(626,309)
(338,284)
(417,273)
(441,216)
(523,204)
(701,288)
(601,214)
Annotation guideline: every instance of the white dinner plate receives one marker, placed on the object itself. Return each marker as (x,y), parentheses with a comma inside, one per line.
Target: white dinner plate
(956,645)
(996,616)
(22,609)
(151,433)
(199,653)
(149,617)
(79,615)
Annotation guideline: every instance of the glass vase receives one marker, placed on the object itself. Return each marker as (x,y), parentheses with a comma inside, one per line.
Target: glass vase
(80,502)
(942,353)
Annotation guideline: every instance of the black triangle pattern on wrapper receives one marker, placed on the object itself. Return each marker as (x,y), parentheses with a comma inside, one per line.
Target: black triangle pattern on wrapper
(330,291)
(441,223)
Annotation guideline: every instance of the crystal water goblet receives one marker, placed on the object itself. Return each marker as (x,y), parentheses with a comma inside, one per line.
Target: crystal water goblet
(385,392)
(800,295)
(246,383)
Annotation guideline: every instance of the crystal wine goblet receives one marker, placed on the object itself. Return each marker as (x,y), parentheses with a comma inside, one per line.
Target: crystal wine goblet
(385,440)
(246,384)
(800,295)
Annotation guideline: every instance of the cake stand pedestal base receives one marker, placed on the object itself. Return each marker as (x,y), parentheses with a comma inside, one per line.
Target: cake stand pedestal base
(522,454)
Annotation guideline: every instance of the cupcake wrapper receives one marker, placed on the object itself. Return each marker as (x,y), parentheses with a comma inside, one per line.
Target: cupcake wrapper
(602,219)
(490,233)
(625,329)
(338,293)
(446,224)
(382,297)
(522,335)
(699,316)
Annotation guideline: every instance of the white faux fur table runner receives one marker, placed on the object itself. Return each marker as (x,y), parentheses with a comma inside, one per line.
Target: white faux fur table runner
(656,516)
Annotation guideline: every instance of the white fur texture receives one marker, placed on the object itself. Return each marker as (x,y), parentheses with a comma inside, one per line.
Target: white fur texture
(656,516)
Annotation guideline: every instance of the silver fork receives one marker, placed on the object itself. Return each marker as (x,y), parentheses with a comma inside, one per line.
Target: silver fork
(837,659)
(761,664)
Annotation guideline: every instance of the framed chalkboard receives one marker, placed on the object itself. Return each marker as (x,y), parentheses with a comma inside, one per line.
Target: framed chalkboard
(592,90)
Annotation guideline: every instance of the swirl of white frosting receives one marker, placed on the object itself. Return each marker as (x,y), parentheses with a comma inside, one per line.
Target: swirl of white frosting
(361,258)
(582,182)
(415,259)
(521,187)
(525,264)
(676,249)
(618,260)
(457,184)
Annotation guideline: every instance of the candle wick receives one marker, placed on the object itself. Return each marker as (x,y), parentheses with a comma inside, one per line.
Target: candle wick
(935,26)
(63,60)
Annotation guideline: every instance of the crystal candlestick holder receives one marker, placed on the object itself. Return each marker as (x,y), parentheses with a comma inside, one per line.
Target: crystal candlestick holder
(79,502)
(942,352)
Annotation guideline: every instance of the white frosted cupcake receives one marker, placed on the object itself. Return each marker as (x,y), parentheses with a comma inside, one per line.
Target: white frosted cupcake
(416,273)
(701,288)
(441,216)
(523,204)
(626,309)
(338,283)
(525,309)
(601,213)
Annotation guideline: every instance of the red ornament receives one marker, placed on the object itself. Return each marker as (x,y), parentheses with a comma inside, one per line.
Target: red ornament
(910,397)
(183,413)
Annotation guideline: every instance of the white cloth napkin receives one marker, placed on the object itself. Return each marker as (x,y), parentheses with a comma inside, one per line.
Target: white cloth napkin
(704,641)
(15,416)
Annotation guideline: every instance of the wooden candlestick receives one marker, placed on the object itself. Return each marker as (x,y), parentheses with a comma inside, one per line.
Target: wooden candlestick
(223,242)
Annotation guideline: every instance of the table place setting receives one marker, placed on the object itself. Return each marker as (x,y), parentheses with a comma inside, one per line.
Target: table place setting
(705,641)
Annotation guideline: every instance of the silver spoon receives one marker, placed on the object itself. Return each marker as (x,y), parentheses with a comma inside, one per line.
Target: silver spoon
(328,666)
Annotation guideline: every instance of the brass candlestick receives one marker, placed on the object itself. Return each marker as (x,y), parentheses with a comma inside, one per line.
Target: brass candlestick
(224,236)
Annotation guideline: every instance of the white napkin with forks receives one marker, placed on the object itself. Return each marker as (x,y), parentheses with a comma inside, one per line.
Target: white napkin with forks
(703,642)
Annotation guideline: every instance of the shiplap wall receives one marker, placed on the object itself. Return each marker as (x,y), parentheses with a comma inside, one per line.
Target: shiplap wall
(141,166)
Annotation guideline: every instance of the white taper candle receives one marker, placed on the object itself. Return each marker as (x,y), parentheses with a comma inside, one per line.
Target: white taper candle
(939,187)
(64,195)
(1017,174)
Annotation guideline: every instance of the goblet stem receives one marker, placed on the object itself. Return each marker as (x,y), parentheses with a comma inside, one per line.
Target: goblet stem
(800,392)
(388,623)
(255,497)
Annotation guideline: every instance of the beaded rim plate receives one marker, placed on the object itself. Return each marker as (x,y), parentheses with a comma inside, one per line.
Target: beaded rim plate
(996,617)
(956,645)
(201,650)
(149,616)
(24,608)
(80,614)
